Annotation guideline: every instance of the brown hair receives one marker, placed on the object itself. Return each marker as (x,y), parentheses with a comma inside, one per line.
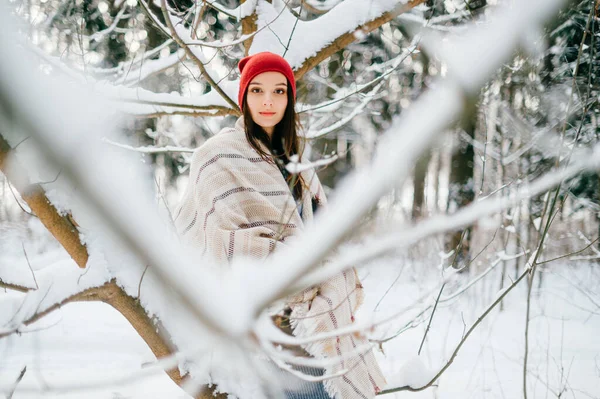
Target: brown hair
(283,143)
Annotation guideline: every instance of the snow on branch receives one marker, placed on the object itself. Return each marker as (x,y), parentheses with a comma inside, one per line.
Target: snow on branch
(307,43)
(466,216)
(97,36)
(59,283)
(437,23)
(150,149)
(149,68)
(145,103)
(343,94)
(132,63)
(142,102)
(296,167)
(311,134)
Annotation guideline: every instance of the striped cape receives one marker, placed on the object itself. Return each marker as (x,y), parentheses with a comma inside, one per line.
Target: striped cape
(239,205)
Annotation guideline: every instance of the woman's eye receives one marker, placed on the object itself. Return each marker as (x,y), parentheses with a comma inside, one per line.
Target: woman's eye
(255,90)
(280,91)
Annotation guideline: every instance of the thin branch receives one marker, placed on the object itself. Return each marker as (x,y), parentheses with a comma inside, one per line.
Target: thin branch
(19,378)
(14,287)
(199,114)
(19,202)
(570,254)
(122,65)
(293,30)
(431,318)
(389,288)
(142,279)
(37,287)
(161,28)
(447,298)
(218,7)
(171,219)
(150,149)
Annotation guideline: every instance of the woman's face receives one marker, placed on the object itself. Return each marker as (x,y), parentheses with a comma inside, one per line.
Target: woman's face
(267,99)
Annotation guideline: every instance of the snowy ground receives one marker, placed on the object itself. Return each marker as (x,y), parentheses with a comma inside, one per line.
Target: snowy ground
(92,342)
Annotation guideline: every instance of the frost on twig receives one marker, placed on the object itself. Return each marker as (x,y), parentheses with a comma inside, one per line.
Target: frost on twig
(295,167)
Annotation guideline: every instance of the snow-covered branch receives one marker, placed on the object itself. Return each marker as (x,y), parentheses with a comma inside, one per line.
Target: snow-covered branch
(59,284)
(365,101)
(307,43)
(149,68)
(464,217)
(150,149)
(342,94)
(141,102)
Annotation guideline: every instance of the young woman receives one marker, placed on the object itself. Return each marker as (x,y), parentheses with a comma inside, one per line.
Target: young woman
(242,202)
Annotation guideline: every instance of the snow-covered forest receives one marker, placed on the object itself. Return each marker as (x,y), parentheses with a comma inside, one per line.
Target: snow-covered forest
(458,142)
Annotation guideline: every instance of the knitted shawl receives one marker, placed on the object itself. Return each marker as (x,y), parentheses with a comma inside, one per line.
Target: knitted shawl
(239,205)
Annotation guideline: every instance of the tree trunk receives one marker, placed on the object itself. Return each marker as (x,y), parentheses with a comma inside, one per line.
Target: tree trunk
(419,176)
(461,188)
(248,27)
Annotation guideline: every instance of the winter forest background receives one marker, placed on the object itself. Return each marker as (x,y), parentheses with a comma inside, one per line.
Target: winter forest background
(458,142)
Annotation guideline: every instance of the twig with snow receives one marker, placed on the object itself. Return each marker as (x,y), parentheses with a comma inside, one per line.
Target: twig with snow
(396,62)
(295,167)
(431,319)
(340,123)
(149,149)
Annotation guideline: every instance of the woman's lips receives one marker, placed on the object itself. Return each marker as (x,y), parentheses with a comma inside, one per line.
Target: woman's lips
(267,113)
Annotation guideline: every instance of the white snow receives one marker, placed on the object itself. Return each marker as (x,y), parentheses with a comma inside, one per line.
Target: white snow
(308,37)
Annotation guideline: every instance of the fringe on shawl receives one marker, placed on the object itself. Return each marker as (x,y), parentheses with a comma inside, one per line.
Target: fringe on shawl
(303,325)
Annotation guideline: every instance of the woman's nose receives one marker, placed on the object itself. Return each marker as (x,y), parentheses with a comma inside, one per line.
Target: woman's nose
(267,100)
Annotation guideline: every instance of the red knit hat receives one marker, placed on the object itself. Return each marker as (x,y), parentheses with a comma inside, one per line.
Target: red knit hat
(263,62)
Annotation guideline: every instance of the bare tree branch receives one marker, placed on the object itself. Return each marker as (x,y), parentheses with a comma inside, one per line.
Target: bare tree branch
(14,287)
(431,318)
(19,378)
(150,149)
(37,287)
